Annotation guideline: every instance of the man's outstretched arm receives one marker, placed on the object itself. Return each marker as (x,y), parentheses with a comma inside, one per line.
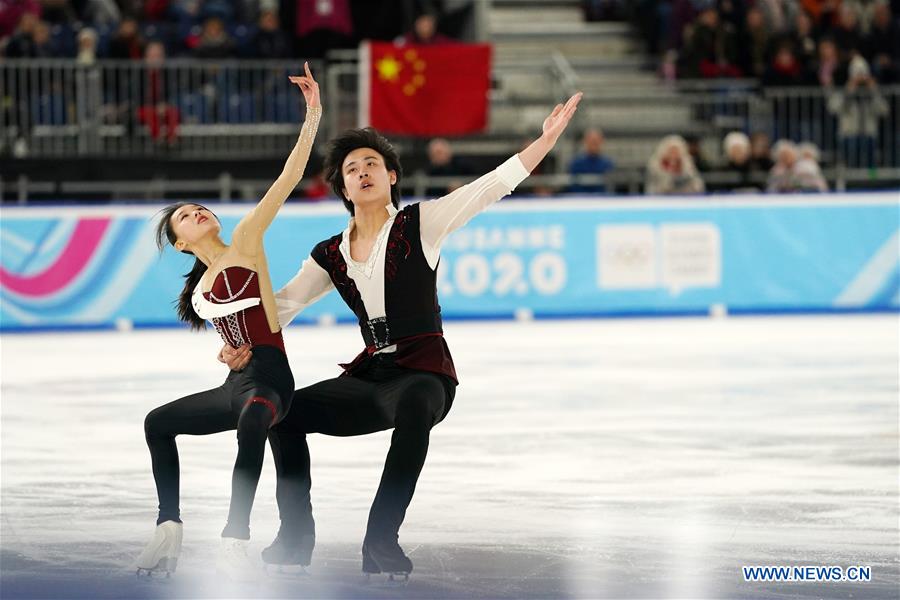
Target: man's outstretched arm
(447,214)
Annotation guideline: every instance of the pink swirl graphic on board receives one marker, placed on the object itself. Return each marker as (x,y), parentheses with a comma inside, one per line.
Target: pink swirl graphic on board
(79,250)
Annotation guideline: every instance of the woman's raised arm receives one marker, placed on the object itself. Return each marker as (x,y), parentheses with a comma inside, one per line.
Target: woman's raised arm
(250,230)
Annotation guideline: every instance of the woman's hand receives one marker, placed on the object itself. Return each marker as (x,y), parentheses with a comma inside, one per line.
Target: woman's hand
(556,123)
(308,86)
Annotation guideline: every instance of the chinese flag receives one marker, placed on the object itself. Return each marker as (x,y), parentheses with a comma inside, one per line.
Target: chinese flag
(424,90)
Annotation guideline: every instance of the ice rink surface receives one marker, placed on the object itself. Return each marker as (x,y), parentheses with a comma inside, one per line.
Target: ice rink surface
(581,459)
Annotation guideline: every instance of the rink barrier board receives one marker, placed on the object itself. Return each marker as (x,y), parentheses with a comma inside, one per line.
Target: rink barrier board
(301,322)
(96,267)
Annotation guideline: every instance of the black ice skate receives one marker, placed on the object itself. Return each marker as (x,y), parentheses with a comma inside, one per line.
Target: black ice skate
(289,553)
(386,556)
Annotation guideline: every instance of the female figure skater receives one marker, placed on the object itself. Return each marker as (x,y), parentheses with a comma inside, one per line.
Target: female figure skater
(384,266)
(230,286)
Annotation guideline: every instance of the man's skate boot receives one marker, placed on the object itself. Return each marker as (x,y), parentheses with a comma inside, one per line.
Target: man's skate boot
(232,561)
(386,556)
(291,552)
(161,554)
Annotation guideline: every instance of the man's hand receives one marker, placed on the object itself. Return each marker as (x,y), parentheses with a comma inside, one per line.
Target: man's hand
(553,127)
(235,358)
(556,123)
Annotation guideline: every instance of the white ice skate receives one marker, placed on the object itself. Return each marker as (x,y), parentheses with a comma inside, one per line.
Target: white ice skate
(233,562)
(161,554)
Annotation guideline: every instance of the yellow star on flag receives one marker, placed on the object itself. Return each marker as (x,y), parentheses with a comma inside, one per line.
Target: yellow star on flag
(388,68)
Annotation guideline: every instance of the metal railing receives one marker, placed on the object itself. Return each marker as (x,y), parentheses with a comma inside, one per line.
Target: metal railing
(225,188)
(56,108)
(246,109)
(853,128)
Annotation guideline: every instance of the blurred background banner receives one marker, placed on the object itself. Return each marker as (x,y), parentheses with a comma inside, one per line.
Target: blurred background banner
(98,267)
(425,90)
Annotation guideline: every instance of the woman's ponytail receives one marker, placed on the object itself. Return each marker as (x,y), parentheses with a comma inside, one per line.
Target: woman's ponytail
(166,234)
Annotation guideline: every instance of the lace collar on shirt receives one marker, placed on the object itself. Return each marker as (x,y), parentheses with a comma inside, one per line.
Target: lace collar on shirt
(367,268)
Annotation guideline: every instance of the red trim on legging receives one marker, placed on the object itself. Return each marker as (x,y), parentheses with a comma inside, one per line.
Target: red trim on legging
(265,402)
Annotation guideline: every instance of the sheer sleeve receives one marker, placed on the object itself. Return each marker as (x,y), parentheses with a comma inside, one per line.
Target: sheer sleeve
(308,286)
(250,230)
(443,216)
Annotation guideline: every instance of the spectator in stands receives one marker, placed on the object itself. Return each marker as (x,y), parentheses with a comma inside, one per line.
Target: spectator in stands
(804,37)
(809,151)
(104,13)
(882,45)
(155,112)
(858,108)
(785,69)
(12,13)
(828,70)
(126,43)
(754,44)
(424,32)
(591,161)
(778,13)
(185,14)
(695,149)
(442,163)
(760,152)
(808,177)
(214,41)
(671,170)
(30,40)
(737,152)
(711,48)
(781,176)
(807,172)
(846,32)
(87,47)
(270,41)
(679,15)
(795,171)
(219,9)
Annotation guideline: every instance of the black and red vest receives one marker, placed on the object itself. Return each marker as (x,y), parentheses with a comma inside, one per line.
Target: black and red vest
(412,318)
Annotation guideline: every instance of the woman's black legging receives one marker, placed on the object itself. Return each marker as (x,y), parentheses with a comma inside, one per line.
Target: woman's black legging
(250,402)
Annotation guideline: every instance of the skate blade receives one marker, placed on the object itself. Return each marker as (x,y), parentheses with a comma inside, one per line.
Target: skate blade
(164,568)
(395,579)
(153,573)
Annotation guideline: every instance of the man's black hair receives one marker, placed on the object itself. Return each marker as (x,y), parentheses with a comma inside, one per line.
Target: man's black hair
(351,140)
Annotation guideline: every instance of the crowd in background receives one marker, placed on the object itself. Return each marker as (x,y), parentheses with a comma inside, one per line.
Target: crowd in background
(848,47)
(780,42)
(218,29)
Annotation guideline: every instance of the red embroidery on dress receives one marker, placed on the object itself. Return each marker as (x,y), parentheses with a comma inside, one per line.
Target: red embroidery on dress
(396,243)
(339,269)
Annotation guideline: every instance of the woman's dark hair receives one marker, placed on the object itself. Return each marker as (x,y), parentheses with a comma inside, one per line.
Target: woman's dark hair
(351,140)
(166,234)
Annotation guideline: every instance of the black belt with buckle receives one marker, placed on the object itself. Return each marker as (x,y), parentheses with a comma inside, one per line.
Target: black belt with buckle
(382,332)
